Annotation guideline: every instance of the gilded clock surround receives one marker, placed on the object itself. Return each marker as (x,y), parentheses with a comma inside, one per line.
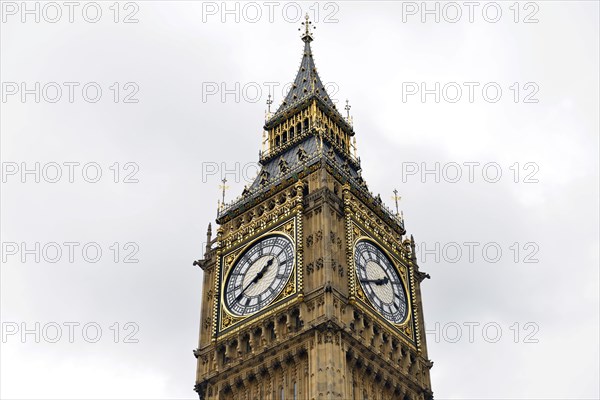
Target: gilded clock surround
(229,319)
(362,223)
(319,338)
(403,273)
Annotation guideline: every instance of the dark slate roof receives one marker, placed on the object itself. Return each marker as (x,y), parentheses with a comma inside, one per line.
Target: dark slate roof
(310,146)
(307,84)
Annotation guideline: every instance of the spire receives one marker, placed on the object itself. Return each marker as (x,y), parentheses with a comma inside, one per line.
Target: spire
(307,84)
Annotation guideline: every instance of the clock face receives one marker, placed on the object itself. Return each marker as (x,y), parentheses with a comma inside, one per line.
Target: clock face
(259,275)
(380,281)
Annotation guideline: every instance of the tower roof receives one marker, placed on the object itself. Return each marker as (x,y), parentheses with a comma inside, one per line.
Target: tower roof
(306,86)
(307,83)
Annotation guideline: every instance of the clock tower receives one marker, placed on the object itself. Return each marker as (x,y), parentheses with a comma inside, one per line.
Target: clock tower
(311,289)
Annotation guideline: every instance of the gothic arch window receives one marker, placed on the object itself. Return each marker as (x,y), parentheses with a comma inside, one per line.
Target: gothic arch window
(305,123)
(292,133)
(222,355)
(281,393)
(277,141)
(285,137)
(282,325)
(247,345)
(297,320)
(271,330)
(298,128)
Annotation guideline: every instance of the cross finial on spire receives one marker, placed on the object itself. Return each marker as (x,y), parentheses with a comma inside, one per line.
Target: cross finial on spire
(307,35)
(396,198)
(224,188)
(269,102)
(347,108)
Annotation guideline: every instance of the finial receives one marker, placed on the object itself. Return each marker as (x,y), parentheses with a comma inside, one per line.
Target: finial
(224,188)
(347,108)
(307,35)
(413,251)
(208,237)
(269,102)
(396,198)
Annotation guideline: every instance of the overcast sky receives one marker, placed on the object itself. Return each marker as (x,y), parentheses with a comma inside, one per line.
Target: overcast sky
(528,110)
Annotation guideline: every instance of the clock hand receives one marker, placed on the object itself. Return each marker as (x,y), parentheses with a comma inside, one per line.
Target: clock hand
(265,268)
(384,281)
(256,278)
(378,282)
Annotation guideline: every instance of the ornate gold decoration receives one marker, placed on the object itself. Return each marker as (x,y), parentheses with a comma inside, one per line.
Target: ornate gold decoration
(360,293)
(413,298)
(216,291)
(228,263)
(260,218)
(407,278)
(228,320)
(299,187)
(289,289)
(291,227)
(349,240)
